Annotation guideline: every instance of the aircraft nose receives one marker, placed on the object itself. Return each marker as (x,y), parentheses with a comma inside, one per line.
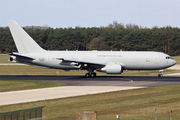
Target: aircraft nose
(173,62)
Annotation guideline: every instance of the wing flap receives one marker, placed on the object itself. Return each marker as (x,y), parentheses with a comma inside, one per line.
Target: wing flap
(99,64)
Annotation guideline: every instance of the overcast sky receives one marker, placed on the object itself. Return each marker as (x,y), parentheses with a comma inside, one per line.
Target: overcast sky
(90,13)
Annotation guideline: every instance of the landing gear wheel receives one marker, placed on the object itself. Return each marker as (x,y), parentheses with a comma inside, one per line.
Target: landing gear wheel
(160,75)
(87,75)
(90,75)
(93,74)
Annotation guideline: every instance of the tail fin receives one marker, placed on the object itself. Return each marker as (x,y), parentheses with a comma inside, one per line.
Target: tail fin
(24,43)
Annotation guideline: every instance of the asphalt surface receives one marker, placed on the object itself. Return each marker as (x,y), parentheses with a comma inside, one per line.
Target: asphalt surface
(133,81)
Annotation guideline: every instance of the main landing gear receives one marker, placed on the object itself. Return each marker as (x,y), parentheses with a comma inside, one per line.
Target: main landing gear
(93,74)
(90,73)
(160,73)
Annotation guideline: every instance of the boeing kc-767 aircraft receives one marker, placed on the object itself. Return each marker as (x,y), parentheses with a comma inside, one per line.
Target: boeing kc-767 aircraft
(111,62)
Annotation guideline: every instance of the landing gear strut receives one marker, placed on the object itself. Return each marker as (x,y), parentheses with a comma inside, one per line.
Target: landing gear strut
(90,73)
(160,73)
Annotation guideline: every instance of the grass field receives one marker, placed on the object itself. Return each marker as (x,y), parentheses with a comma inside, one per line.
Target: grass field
(136,104)
(4,58)
(13,85)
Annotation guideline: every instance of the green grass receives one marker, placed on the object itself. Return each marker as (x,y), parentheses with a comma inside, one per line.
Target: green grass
(4,58)
(13,85)
(136,104)
(130,104)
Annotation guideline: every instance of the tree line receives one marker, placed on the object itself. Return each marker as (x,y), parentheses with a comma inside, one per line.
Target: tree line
(114,37)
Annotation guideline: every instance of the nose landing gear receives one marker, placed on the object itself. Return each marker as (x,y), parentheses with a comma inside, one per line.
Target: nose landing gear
(160,73)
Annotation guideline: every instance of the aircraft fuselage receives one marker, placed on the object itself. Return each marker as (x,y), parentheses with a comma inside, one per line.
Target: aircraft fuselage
(130,60)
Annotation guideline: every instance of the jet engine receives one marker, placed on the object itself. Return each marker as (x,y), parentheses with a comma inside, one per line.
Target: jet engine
(112,69)
(12,59)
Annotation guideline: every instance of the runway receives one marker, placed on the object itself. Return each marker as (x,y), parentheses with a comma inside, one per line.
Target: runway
(79,85)
(135,81)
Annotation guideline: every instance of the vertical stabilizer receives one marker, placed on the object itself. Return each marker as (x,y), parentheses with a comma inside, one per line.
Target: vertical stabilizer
(24,43)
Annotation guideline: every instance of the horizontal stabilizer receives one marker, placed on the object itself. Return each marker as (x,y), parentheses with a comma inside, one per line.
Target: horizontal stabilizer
(22,56)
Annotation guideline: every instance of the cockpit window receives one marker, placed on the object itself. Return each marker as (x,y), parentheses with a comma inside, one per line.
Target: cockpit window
(168,57)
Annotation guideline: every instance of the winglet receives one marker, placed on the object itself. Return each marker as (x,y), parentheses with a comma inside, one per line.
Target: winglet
(24,43)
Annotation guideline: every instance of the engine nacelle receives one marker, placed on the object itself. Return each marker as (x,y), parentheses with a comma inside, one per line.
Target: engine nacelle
(112,69)
(12,59)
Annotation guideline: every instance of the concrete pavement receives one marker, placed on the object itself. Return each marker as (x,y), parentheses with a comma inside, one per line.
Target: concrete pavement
(24,96)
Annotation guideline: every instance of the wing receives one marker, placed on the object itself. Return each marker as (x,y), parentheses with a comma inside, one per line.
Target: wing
(94,64)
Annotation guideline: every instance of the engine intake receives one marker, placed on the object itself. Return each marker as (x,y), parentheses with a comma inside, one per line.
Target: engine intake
(12,59)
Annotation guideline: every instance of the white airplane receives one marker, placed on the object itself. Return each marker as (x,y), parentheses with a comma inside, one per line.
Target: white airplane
(111,62)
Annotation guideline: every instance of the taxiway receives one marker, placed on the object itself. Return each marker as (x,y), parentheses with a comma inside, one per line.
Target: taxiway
(133,81)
